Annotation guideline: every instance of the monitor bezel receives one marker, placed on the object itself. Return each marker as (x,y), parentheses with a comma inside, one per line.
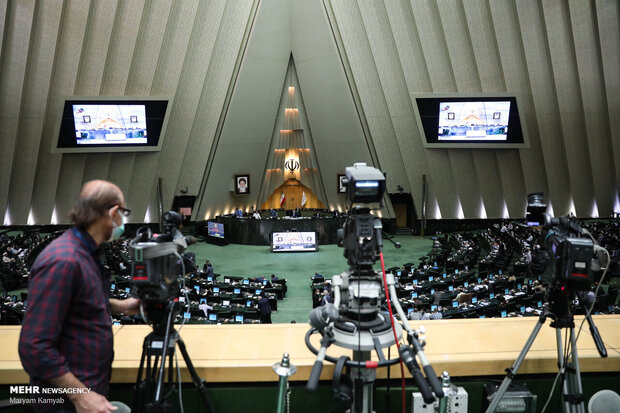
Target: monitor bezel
(109,149)
(465,145)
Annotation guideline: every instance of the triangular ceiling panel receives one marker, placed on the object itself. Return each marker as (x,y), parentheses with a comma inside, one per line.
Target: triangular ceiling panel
(331,122)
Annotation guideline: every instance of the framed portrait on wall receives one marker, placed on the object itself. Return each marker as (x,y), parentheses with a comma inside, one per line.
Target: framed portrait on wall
(342,188)
(242,184)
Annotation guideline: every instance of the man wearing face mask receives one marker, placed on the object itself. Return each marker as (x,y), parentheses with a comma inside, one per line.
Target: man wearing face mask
(66,337)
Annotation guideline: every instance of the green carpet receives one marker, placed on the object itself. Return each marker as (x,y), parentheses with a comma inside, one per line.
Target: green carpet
(298,268)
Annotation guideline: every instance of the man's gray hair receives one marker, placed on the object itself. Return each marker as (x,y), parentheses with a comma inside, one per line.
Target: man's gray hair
(94,200)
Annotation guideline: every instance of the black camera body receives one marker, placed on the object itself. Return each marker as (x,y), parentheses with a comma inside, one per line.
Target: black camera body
(569,262)
(157,261)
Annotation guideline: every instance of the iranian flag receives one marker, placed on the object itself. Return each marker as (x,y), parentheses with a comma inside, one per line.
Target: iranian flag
(282,199)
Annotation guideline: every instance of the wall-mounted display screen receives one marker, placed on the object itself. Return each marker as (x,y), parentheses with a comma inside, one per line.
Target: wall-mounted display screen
(215,229)
(463,121)
(106,124)
(293,241)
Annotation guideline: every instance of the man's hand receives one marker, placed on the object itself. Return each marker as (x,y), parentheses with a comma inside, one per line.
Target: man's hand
(89,402)
(92,403)
(130,306)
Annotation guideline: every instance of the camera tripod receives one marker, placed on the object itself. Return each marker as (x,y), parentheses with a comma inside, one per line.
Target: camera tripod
(572,394)
(157,351)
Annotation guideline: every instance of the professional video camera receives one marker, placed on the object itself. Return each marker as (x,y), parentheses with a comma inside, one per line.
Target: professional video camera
(157,270)
(569,262)
(158,261)
(569,258)
(356,319)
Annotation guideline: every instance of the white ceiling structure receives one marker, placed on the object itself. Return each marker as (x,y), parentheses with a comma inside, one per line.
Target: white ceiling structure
(358,62)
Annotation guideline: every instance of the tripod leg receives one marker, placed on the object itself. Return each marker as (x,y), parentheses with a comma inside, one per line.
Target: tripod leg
(198,382)
(140,384)
(162,366)
(512,371)
(572,393)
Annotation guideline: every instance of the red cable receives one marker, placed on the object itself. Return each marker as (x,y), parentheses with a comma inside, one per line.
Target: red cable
(387,299)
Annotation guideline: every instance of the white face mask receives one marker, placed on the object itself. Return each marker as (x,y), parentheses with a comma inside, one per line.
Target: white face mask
(117,230)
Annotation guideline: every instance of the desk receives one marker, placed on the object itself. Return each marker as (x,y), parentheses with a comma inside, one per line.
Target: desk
(245,353)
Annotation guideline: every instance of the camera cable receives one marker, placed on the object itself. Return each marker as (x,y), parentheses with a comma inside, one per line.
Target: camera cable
(389,306)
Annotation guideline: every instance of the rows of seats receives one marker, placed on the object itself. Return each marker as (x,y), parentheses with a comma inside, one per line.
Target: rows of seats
(213,298)
(18,255)
(497,272)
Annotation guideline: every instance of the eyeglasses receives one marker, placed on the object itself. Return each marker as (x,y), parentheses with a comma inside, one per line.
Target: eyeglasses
(124,211)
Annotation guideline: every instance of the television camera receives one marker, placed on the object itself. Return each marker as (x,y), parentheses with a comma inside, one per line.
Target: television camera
(157,269)
(158,265)
(569,260)
(356,320)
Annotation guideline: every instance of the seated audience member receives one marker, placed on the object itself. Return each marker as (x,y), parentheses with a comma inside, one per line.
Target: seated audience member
(273,213)
(256,215)
(318,278)
(274,278)
(239,213)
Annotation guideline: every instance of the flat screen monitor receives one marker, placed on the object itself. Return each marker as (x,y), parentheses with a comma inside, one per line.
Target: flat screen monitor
(465,284)
(212,317)
(491,295)
(246,282)
(216,289)
(434,307)
(210,278)
(238,319)
(112,287)
(203,301)
(215,229)
(226,303)
(469,121)
(504,314)
(414,295)
(257,292)
(248,303)
(409,310)
(431,278)
(474,300)
(264,282)
(455,304)
(237,291)
(293,241)
(112,124)
(450,288)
